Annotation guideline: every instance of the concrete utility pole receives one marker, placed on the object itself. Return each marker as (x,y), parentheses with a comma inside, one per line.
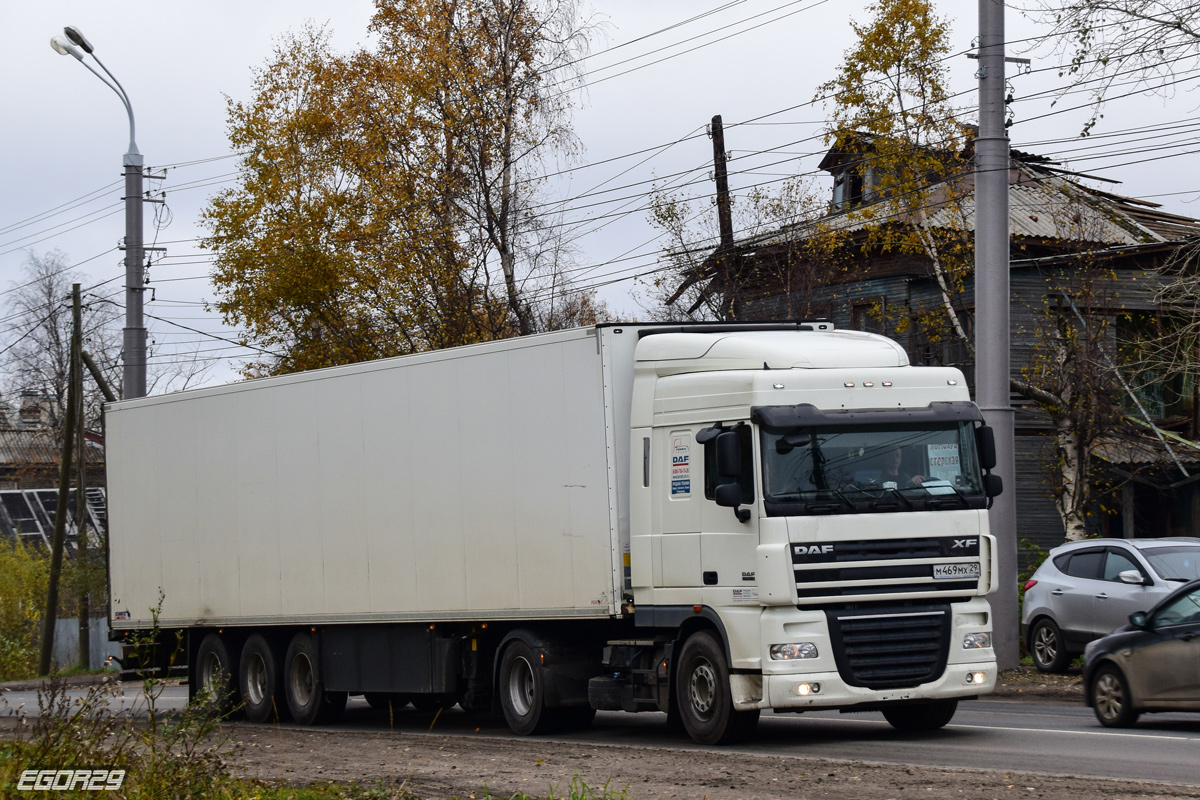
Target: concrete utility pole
(134,334)
(724,209)
(992,304)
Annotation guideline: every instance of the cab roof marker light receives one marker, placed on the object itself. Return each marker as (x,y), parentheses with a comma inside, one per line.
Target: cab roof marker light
(887,383)
(868,384)
(849,384)
(952,382)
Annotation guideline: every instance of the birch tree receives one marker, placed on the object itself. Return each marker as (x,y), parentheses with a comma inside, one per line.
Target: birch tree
(1119,47)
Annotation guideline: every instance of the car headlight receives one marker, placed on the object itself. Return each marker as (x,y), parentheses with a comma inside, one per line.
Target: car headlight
(790,652)
(976,641)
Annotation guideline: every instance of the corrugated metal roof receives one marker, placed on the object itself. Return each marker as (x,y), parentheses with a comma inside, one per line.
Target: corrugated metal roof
(1042,205)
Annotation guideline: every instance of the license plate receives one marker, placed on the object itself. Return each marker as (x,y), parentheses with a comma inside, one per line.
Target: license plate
(944,571)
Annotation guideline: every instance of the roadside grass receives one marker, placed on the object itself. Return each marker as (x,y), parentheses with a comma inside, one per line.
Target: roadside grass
(176,756)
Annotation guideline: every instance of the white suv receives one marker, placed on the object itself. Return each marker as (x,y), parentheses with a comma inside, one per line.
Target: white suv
(1086,589)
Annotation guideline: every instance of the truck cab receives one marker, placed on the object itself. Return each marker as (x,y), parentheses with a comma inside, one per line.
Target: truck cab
(819,506)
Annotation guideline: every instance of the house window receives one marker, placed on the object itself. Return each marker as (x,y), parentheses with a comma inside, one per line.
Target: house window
(870,316)
(933,342)
(847,188)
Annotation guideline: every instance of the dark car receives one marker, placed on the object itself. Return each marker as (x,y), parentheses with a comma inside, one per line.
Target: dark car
(1151,664)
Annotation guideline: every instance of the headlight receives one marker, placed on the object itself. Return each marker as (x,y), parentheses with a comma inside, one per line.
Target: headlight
(789,652)
(975,641)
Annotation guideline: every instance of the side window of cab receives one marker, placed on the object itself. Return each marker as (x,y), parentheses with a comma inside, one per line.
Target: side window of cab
(712,477)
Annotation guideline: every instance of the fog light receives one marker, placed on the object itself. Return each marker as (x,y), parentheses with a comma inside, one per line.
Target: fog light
(975,677)
(790,652)
(974,641)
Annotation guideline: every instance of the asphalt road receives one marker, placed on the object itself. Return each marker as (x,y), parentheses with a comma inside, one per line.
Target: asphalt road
(985,734)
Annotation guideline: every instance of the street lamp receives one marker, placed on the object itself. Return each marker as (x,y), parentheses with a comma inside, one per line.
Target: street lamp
(134,334)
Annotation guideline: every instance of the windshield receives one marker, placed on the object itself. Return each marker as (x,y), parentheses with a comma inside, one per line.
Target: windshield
(1174,563)
(860,468)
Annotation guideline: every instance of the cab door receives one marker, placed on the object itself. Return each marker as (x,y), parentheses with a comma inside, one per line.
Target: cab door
(727,545)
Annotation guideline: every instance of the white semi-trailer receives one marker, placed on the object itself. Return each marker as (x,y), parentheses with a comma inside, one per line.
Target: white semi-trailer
(706,520)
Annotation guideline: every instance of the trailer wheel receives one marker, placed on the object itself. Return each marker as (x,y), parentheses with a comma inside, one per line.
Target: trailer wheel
(921,717)
(522,691)
(215,681)
(706,703)
(307,699)
(259,683)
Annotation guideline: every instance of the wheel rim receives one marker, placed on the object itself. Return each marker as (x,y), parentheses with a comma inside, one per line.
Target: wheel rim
(211,672)
(302,680)
(1109,696)
(702,688)
(1045,645)
(256,679)
(520,686)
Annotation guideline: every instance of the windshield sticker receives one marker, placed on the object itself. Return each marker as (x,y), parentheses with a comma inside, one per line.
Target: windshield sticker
(943,461)
(681,468)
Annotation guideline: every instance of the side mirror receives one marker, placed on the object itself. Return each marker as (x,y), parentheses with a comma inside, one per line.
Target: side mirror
(1132,576)
(1138,619)
(985,441)
(729,455)
(992,485)
(729,495)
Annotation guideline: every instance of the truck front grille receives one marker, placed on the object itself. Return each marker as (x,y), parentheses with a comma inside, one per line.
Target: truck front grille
(890,647)
(843,570)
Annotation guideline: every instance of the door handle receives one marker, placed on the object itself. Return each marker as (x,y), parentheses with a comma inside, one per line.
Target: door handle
(1187,637)
(1102,596)
(1057,592)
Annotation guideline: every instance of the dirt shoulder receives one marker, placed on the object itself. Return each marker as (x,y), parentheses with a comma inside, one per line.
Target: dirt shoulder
(1025,681)
(462,766)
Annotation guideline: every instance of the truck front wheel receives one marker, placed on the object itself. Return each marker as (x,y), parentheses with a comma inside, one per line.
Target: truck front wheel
(522,691)
(705,701)
(307,699)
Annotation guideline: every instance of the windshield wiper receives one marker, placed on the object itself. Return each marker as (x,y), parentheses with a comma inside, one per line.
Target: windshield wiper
(817,505)
(894,491)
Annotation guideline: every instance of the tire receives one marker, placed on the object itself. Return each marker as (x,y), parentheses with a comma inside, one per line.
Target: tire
(706,702)
(522,692)
(1047,647)
(307,699)
(921,716)
(259,681)
(1111,698)
(216,681)
(382,701)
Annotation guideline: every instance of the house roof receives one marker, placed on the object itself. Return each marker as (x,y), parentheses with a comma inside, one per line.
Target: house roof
(36,448)
(1044,205)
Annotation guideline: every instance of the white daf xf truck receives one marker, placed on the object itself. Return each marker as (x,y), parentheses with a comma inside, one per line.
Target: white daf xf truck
(703,520)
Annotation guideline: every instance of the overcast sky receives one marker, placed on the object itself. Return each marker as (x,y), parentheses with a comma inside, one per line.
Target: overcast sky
(65,133)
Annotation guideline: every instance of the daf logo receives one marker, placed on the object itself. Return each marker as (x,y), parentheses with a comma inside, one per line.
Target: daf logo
(958,543)
(813,550)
